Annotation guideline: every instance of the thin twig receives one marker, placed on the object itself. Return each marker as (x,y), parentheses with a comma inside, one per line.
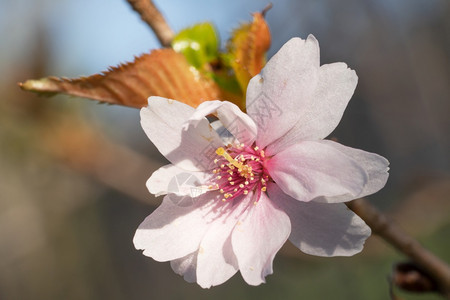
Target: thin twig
(153,17)
(395,236)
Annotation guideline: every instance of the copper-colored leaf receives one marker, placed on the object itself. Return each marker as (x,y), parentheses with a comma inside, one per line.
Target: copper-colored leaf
(162,72)
(248,48)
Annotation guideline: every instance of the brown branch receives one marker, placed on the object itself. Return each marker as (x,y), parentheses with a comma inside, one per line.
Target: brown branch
(81,146)
(394,235)
(153,17)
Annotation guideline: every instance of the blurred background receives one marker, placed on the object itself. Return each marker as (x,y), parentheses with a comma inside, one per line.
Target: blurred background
(73,172)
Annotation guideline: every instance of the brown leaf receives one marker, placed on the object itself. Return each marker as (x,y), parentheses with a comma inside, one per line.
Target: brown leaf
(248,47)
(162,72)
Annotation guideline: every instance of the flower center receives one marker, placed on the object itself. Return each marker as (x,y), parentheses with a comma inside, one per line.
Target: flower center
(240,170)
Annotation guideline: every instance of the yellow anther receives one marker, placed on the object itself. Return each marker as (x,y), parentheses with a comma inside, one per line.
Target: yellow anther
(241,185)
(246,182)
(216,161)
(232,182)
(245,192)
(218,177)
(221,191)
(230,178)
(220,151)
(256,148)
(264,189)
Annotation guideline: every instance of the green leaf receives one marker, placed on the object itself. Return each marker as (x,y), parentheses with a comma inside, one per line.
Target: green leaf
(199,44)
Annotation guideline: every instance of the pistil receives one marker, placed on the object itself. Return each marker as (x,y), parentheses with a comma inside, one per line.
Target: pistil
(240,170)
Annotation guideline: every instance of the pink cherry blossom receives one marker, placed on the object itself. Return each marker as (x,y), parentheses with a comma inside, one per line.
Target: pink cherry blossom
(240,185)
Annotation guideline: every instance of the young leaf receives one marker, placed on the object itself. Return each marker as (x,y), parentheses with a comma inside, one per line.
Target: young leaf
(162,72)
(198,43)
(247,49)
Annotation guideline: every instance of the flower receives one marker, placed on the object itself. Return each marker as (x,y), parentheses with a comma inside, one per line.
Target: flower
(238,187)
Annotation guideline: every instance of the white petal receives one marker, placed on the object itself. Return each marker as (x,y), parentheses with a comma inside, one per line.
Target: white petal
(216,261)
(257,238)
(188,148)
(172,180)
(311,169)
(375,166)
(276,97)
(318,117)
(174,231)
(322,229)
(186,266)
(240,125)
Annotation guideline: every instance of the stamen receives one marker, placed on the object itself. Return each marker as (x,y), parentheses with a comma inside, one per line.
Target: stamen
(240,173)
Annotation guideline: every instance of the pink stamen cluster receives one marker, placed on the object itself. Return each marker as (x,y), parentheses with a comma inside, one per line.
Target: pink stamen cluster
(240,170)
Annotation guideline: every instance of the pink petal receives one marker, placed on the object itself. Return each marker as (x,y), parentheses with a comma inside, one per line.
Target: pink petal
(174,231)
(257,237)
(187,148)
(216,261)
(311,169)
(172,180)
(276,97)
(322,229)
(318,117)
(186,266)
(240,125)
(373,164)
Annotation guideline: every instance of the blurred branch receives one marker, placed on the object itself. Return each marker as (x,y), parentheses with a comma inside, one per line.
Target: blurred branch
(153,17)
(437,269)
(81,146)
